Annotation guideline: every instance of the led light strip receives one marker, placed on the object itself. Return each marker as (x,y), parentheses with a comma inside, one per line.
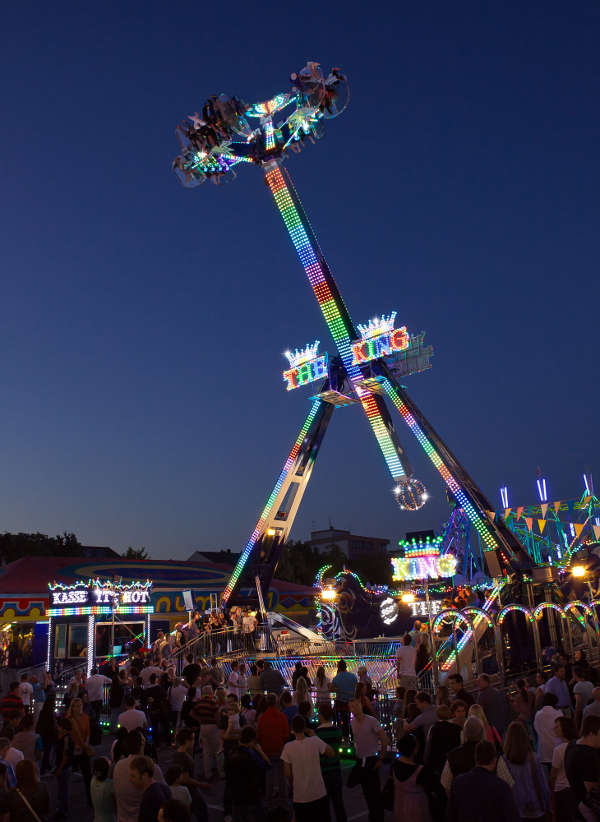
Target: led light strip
(477,520)
(341,331)
(100,610)
(467,635)
(260,525)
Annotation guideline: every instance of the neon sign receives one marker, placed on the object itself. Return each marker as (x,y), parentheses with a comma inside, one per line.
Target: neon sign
(423,567)
(99,597)
(306,366)
(378,339)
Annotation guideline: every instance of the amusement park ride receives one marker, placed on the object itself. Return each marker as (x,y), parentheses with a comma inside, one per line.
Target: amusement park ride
(370,358)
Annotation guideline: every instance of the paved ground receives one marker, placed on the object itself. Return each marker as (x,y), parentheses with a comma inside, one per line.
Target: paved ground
(355,805)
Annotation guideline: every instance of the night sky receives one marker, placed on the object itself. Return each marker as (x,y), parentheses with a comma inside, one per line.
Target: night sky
(143,324)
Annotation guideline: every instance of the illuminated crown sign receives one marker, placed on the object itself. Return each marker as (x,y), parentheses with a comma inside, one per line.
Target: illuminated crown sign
(378,339)
(298,357)
(305,366)
(377,326)
(422,560)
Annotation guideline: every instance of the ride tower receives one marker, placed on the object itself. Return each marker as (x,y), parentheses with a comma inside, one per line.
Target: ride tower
(370,359)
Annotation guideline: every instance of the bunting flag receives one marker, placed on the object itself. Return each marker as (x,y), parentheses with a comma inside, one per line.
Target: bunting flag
(491,515)
(596,529)
(541,525)
(556,507)
(544,507)
(586,500)
(529,521)
(519,512)
(578,526)
(507,512)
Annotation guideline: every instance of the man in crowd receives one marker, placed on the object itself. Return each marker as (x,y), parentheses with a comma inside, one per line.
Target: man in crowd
(543,724)
(11,706)
(443,736)
(427,714)
(132,718)
(493,703)
(406,655)
(271,679)
(184,758)
(205,711)
(191,672)
(94,686)
(582,690)
(344,685)
(128,795)
(593,709)
(582,763)
(25,692)
(273,732)
(557,685)
(479,795)
(455,681)
(153,793)
(302,765)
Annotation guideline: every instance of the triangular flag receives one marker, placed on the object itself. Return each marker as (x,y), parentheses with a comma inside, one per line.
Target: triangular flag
(578,526)
(491,515)
(544,507)
(519,512)
(541,525)
(586,500)
(529,521)
(507,512)
(596,531)
(556,506)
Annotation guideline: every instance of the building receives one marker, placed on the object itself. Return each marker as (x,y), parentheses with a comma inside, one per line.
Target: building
(351,545)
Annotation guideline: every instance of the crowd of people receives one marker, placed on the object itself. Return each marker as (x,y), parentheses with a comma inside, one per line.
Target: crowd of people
(281,750)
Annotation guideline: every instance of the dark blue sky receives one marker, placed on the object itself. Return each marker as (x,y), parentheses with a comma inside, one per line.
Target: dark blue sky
(143,324)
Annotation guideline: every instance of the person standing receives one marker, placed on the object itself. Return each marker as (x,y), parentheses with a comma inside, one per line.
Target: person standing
(406,655)
(273,732)
(415,786)
(457,687)
(26,692)
(127,795)
(493,703)
(557,685)
(28,795)
(531,792)
(103,792)
(543,724)
(479,795)
(370,744)
(80,731)
(247,778)
(582,764)
(442,738)
(330,768)
(582,690)
(205,712)
(271,679)
(95,693)
(27,741)
(564,799)
(302,767)
(153,793)
(344,685)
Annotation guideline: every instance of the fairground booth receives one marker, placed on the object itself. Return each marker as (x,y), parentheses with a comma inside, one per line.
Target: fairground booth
(29,608)
(97,619)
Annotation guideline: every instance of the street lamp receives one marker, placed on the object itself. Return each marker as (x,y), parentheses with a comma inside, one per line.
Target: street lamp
(578,571)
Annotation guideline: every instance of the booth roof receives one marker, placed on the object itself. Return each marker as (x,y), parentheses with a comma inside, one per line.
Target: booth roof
(31,575)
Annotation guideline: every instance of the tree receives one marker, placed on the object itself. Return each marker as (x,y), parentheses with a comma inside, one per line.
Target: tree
(136,553)
(15,546)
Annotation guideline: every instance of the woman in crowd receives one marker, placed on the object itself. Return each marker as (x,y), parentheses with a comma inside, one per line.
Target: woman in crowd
(530,791)
(414,785)
(491,733)
(322,687)
(103,792)
(302,693)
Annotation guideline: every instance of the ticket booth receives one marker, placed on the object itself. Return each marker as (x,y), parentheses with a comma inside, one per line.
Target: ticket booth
(97,620)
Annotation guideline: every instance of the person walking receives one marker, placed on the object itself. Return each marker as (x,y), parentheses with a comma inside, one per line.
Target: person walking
(370,744)
(479,795)
(205,711)
(302,766)
(544,723)
(564,799)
